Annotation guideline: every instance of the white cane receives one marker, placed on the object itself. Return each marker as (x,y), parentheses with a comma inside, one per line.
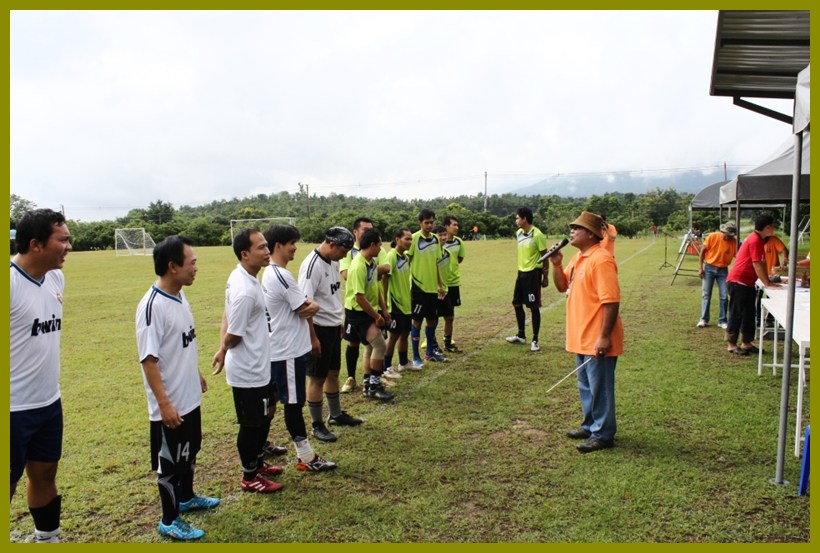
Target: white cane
(575,370)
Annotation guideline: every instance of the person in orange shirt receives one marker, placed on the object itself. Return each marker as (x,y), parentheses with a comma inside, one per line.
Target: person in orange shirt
(717,253)
(610,233)
(773,247)
(594,329)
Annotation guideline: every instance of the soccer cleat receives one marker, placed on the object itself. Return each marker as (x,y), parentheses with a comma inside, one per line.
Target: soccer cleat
(516,340)
(318,464)
(452,348)
(435,358)
(437,351)
(198,503)
(320,432)
(377,391)
(724,326)
(534,346)
(260,484)
(343,419)
(414,365)
(269,470)
(349,385)
(271,450)
(702,324)
(390,372)
(180,530)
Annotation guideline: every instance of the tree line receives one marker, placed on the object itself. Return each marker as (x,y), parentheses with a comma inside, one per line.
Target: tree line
(209,225)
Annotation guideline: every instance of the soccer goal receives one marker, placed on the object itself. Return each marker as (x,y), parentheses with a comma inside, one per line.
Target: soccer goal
(261,224)
(133,241)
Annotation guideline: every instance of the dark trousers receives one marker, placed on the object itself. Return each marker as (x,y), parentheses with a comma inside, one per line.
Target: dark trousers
(741,313)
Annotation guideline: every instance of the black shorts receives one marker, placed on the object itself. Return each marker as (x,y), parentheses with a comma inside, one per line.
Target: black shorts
(290,375)
(252,405)
(36,435)
(454,292)
(400,323)
(357,323)
(445,307)
(425,304)
(330,340)
(173,450)
(528,288)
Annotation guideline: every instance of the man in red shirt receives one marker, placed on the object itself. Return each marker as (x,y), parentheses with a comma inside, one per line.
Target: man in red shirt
(750,265)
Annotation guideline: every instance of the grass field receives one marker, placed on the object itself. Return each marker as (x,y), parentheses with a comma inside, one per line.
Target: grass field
(471,451)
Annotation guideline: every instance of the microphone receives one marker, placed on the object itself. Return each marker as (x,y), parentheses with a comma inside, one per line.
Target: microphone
(553,249)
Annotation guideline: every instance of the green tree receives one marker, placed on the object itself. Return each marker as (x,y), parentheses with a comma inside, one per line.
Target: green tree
(17,207)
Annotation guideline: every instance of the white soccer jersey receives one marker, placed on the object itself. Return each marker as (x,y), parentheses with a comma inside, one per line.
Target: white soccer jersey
(247,365)
(319,279)
(36,319)
(290,334)
(165,330)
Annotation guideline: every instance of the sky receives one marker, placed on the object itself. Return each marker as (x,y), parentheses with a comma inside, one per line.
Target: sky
(113,110)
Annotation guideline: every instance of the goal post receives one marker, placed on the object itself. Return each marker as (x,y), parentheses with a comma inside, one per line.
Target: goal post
(261,224)
(133,241)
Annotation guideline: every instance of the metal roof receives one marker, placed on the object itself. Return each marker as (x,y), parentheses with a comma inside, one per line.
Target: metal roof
(758,54)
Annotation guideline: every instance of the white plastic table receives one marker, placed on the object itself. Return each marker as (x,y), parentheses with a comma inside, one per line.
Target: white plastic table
(775,303)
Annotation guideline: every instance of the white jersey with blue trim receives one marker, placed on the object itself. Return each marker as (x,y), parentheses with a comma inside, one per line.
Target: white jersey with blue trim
(35,324)
(319,279)
(165,331)
(289,333)
(247,364)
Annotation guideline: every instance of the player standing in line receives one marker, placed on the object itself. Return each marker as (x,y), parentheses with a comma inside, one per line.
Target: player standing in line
(455,247)
(399,302)
(166,342)
(244,353)
(319,279)
(290,343)
(360,225)
(427,287)
(532,276)
(36,285)
(364,321)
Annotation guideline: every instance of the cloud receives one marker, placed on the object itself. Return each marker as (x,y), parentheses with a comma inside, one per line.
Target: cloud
(118,109)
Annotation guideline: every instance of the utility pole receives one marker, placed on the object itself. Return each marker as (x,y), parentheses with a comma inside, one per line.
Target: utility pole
(485,191)
(306,189)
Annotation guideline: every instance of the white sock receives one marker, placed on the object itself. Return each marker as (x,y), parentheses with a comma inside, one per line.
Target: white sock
(304,451)
(52,536)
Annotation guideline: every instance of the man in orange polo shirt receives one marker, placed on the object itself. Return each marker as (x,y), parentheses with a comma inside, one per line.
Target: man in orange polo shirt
(717,253)
(594,329)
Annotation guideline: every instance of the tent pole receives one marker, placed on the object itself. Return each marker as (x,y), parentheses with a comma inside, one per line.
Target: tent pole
(787,342)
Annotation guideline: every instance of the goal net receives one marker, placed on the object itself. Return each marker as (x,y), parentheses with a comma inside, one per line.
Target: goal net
(133,241)
(261,224)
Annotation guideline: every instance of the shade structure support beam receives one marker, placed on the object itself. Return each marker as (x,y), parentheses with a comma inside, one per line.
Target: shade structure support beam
(763,110)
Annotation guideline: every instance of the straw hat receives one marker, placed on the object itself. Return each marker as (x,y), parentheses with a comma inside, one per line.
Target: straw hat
(591,222)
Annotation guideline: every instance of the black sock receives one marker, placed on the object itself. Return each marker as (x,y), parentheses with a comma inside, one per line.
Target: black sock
(351,358)
(47,518)
(536,323)
(247,443)
(168,485)
(448,341)
(294,421)
(520,318)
